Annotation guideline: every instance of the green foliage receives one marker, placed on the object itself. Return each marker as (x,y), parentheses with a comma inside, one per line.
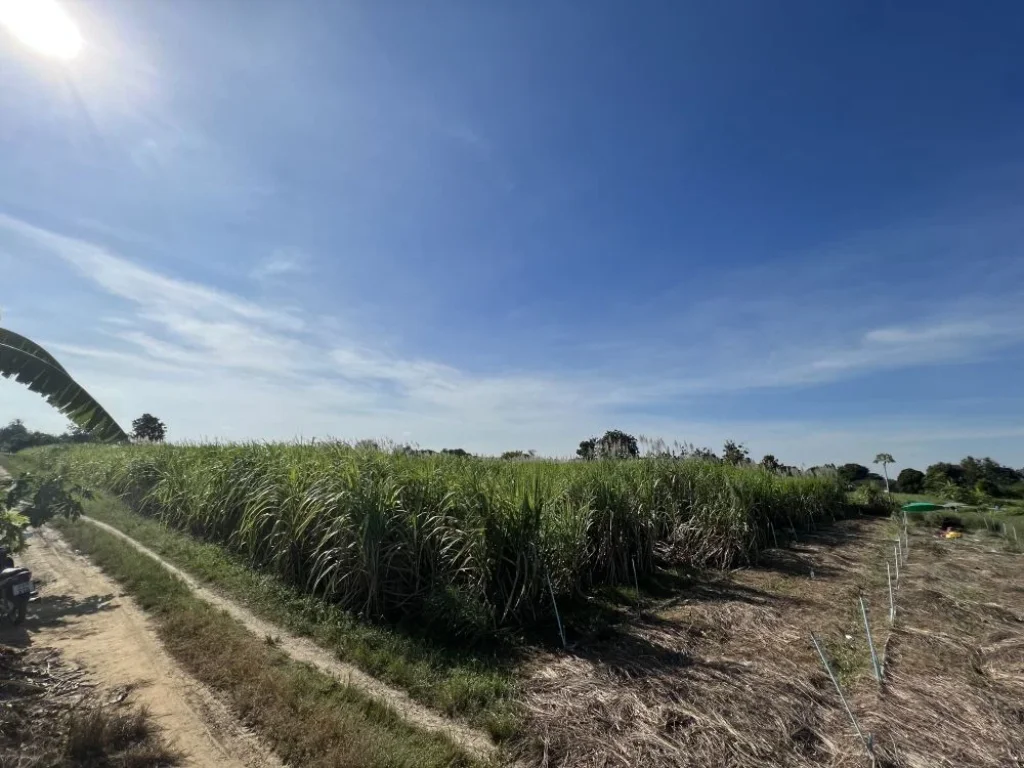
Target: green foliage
(734,453)
(27,363)
(986,487)
(31,499)
(957,493)
(999,480)
(588,449)
(995,479)
(17,437)
(704,454)
(148,427)
(770,464)
(42,497)
(393,535)
(852,474)
(910,481)
(872,497)
(938,476)
(614,444)
(12,529)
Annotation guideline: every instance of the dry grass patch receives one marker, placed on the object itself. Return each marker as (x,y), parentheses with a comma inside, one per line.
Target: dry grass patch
(49,719)
(721,674)
(725,674)
(954,692)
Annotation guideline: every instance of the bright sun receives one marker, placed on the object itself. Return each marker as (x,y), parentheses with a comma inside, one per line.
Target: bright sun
(42,25)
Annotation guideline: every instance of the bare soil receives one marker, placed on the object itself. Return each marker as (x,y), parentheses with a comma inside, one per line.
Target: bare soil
(83,615)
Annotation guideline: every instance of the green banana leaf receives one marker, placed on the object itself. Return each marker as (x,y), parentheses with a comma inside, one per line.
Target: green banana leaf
(16,340)
(27,363)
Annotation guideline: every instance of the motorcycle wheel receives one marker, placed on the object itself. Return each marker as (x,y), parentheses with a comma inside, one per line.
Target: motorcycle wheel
(18,611)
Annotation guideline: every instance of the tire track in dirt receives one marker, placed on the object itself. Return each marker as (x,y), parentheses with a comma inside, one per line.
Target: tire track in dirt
(304,650)
(82,613)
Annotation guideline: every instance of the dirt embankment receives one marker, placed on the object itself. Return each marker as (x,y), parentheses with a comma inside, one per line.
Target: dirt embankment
(82,614)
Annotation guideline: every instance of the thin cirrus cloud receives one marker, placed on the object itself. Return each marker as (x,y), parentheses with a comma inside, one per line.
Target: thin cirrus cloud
(218,365)
(202,330)
(281,263)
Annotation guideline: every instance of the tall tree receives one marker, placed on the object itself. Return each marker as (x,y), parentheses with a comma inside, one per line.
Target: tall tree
(941,474)
(149,427)
(910,481)
(704,454)
(734,453)
(853,473)
(28,363)
(616,444)
(885,459)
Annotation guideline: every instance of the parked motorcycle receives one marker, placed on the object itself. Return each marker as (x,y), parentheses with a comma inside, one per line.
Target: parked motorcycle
(16,589)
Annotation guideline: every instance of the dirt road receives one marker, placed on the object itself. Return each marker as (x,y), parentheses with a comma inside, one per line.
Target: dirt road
(302,649)
(53,555)
(83,614)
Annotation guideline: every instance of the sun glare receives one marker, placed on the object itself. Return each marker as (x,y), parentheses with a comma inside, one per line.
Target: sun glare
(43,26)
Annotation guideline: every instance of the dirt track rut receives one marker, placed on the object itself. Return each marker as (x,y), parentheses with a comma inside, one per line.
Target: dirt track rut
(82,613)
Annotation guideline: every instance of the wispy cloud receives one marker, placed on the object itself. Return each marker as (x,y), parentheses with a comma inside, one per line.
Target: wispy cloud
(216,364)
(200,331)
(155,292)
(282,262)
(744,362)
(941,333)
(931,343)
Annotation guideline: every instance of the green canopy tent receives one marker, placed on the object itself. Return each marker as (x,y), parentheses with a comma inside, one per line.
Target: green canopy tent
(921,506)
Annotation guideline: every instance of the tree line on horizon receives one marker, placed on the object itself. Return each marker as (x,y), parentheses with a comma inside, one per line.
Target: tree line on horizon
(959,481)
(17,437)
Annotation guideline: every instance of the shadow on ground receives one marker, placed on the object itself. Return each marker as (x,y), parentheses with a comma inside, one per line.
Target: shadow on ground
(53,611)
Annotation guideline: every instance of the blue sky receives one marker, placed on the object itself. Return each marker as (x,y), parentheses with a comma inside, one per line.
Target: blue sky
(498,225)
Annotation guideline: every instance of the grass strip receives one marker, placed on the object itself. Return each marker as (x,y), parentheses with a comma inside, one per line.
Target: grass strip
(308,718)
(478,688)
